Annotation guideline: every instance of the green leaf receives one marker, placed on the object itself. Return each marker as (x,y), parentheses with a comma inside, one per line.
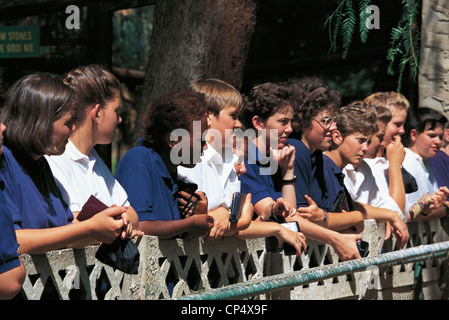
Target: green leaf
(348,27)
(363,5)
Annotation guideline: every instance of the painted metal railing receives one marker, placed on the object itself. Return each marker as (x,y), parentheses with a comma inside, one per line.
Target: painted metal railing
(297,278)
(232,268)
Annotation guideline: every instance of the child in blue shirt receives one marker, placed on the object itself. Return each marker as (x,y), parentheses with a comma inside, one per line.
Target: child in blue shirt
(315,104)
(173,127)
(37,113)
(270,175)
(356,123)
(219,171)
(440,163)
(269,162)
(12,271)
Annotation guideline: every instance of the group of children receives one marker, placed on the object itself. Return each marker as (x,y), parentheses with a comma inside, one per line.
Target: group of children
(290,149)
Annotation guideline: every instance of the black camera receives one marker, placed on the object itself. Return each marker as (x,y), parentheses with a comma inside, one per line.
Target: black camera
(363,247)
(187,186)
(272,243)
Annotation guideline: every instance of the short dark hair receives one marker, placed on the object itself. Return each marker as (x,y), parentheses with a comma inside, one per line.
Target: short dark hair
(32,104)
(357,117)
(176,110)
(264,100)
(311,95)
(419,119)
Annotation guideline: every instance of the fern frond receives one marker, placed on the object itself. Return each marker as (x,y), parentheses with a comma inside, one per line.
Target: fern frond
(333,33)
(404,38)
(348,27)
(363,29)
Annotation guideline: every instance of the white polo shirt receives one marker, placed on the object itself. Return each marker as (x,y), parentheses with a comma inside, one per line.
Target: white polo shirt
(422,172)
(80,176)
(363,188)
(215,176)
(380,170)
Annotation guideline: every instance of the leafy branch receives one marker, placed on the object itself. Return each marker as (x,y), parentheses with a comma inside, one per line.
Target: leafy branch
(344,19)
(404,42)
(404,39)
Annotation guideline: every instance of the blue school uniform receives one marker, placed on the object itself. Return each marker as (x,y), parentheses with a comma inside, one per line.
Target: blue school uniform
(440,168)
(309,174)
(338,196)
(9,257)
(261,179)
(152,191)
(33,198)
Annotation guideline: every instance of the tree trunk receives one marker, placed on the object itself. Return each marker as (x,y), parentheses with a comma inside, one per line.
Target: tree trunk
(193,39)
(434,62)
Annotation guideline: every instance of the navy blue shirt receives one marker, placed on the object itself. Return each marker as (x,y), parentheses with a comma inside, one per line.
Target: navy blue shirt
(9,258)
(151,190)
(257,180)
(309,174)
(339,198)
(34,199)
(440,168)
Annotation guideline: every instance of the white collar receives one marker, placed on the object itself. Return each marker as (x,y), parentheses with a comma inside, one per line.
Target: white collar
(416,156)
(210,155)
(72,151)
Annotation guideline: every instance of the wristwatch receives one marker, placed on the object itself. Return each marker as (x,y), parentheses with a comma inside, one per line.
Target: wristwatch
(289,181)
(325,220)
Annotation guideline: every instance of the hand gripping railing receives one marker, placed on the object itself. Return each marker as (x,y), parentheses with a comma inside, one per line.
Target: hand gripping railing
(302,277)
(195,269)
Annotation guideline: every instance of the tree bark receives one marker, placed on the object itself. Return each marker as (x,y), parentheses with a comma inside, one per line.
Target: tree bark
(194,39)
(434,61)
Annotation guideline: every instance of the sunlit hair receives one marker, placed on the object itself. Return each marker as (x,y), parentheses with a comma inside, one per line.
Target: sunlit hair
(384,114)
(421,119)
(219,94)
(93,84)
(265,100)
(311,96)
(389,99)
(177,110)
(357,117)
(32,105)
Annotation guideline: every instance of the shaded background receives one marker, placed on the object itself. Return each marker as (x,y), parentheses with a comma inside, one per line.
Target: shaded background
(290,39)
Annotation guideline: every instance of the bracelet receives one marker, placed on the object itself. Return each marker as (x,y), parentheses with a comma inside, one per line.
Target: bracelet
(325,218)
(262,217)
(289,181)
(272,205)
